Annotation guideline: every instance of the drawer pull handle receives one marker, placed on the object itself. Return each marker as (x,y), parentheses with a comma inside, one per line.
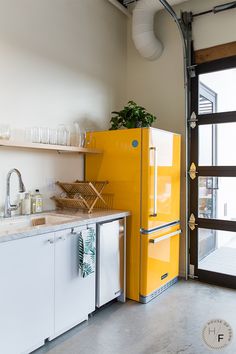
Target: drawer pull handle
(50,241)
(61,238)
(165,237)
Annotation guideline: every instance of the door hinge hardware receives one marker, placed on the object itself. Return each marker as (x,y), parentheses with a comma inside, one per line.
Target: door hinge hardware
(191,223)
(193,120)
(192,276)
(192,71)
(192,171)
(192,272)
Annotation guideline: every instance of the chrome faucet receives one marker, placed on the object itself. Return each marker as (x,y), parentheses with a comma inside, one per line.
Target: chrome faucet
(8,206)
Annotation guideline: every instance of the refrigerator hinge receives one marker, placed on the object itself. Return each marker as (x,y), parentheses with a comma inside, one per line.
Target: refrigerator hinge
(193,120)
(193,171)
(191,222)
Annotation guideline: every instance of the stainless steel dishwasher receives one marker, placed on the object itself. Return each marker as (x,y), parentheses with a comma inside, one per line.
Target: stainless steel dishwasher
(111,246)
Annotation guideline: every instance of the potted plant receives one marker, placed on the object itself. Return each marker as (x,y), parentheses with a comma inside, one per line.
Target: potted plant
(132,116)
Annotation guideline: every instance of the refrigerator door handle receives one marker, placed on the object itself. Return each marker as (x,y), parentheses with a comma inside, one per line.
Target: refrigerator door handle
(159,239)
(153,148)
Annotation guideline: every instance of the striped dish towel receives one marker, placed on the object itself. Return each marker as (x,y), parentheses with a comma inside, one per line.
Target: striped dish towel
(87,252)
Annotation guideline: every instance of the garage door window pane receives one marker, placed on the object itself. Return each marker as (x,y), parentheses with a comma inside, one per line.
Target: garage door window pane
(217,251)
(217,144)
(217,91)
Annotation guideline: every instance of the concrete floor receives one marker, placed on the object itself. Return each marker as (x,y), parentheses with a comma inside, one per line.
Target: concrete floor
(170,324)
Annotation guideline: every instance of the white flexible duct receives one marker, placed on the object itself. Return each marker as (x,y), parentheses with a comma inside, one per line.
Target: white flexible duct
(148,45)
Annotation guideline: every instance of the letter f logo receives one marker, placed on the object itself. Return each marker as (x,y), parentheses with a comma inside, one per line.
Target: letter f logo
(220,337)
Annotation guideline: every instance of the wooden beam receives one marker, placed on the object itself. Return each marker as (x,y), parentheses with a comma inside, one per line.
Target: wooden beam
(214,53)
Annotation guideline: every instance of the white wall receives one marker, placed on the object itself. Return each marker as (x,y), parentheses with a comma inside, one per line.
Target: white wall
(60,61)
(65,60)
(159,85)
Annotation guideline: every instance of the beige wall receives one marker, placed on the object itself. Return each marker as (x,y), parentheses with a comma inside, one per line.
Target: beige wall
(159,85)
(60,61)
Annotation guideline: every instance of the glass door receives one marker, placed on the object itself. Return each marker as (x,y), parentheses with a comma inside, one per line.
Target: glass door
(212,218)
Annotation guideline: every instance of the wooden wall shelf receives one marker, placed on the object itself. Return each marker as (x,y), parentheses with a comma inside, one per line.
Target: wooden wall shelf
(48,147)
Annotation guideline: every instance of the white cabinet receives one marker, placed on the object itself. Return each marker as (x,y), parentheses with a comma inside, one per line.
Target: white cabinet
(74,295)
(26,293)
(42,291)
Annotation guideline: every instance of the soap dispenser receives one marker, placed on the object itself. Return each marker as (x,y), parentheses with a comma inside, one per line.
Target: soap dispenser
(37,202)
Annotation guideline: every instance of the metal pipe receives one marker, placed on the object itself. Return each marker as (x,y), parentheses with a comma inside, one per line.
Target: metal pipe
(187,64)
(170,9)
(224,7)
(202,13)
(218,8)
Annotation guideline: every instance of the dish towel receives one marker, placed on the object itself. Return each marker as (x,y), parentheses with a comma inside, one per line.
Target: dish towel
(87,251)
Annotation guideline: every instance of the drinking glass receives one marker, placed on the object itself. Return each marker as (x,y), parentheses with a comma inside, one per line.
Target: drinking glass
(68,135)
(82,138)
(77,134)
(53,136)
(35,135)
(88,138)
(62,135)
(44,135)
(5,132)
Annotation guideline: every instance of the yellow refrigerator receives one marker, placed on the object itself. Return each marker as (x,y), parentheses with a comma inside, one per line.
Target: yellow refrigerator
(143,169)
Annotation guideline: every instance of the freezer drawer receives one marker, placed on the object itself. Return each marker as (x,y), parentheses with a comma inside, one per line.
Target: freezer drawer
(160,261)
(110,261)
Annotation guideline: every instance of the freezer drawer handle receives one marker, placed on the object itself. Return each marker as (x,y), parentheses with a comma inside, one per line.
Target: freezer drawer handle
(153,148)
(159,239)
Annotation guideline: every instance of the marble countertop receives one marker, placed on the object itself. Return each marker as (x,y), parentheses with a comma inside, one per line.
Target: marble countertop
(21,226)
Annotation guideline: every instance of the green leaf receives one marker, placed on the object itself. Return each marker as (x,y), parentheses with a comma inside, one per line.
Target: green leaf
(131,116)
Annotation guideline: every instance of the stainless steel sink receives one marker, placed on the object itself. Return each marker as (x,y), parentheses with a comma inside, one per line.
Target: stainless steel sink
(21,223)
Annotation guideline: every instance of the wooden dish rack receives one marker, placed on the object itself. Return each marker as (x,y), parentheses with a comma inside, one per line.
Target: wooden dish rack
(85,195)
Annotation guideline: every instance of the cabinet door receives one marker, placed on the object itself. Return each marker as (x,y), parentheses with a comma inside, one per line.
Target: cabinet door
(160,178)
(74,295)
(27,293)
(110,261)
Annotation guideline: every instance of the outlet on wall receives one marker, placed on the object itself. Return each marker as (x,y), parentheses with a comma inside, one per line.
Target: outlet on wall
(51,183)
